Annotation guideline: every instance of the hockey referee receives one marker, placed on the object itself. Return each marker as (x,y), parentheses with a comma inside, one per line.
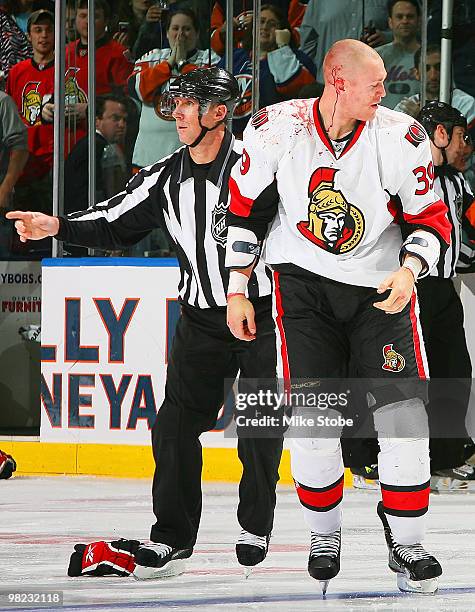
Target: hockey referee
(186,194)
(441,309)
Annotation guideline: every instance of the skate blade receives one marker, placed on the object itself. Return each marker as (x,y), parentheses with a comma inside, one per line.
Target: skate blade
(173,568)
(425,587)
(324,586)
(247,571)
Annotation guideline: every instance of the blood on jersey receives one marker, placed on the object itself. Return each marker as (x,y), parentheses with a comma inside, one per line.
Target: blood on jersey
(415,134)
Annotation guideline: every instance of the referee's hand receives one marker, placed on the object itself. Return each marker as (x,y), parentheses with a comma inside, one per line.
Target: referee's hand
(33,225)
(241,318)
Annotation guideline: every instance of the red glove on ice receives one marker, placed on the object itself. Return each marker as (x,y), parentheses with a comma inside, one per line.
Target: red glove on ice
(7,465)
(103,558)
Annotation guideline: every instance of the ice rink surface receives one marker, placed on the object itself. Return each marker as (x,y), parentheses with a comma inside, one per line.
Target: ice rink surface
(42,519)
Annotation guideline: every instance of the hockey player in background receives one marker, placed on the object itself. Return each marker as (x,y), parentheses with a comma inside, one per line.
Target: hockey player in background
(442,310)
(344,167)
(187,195)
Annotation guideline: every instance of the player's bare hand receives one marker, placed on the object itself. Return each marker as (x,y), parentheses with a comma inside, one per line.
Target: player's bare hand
(401,284)
(241,318)
(33,225)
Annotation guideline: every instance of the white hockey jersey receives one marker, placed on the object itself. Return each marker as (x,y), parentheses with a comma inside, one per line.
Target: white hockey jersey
(338,216)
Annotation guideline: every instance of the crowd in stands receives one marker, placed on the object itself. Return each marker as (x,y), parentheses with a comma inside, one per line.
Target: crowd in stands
(142,44)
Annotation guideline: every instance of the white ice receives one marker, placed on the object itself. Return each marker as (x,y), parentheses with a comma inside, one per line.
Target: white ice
(42,518)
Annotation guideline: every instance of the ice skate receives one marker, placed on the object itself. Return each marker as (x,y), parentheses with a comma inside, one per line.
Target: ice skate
(454,480)
(324,559)
(157,560)
(366,477)
(251,550)
(417,571)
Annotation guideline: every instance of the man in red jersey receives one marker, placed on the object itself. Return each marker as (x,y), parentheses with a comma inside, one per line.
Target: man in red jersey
(113,66)
(28,83)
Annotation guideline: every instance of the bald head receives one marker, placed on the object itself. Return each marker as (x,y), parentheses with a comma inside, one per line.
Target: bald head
(354,77)
(349,57)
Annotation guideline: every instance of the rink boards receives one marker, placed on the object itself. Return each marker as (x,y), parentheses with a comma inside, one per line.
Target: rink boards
(107,328)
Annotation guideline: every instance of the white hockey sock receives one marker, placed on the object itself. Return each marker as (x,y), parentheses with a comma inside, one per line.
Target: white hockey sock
(404,474)
(317,468)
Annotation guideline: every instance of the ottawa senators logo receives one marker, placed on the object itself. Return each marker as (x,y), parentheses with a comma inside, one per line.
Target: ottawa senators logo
(393,361)
(73,93)
(333,223)
(31,103)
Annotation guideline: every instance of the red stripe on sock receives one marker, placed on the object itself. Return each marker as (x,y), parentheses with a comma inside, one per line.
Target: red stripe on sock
(320,499)
(406,500)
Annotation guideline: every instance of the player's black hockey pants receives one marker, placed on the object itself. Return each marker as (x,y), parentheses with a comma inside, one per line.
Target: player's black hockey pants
(204,355)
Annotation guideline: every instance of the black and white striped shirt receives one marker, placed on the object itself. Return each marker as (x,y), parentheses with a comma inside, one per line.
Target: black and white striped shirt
(452,188)
(191,211)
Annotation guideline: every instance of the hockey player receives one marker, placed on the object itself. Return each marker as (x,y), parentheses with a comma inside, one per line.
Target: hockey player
(187,195)
(442,310)
(343,167)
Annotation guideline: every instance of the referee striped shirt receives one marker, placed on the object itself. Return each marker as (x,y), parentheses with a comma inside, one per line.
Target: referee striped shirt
(190,206)
(452,188)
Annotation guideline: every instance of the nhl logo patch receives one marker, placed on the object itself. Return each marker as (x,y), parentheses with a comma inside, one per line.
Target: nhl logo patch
(415,134)
(393,361)
(218,223)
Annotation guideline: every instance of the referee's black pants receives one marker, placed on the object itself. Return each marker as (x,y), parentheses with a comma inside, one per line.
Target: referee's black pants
(441,314)
(204,355)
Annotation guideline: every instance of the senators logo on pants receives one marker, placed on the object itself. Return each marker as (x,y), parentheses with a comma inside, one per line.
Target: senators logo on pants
(333,223)
(393,361)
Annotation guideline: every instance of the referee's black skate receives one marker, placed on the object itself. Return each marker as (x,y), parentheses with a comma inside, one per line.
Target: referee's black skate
(417,571)
(157,560)
(251,549)
(324,559)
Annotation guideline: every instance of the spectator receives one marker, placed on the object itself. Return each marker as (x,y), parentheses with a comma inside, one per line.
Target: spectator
(157,136)
(332,20)
(283,70)
(28,83)
(459,99)
(14,44)
(21,11)
(148,23)
(112,61)
(242,17)
(398,55)
(463,40)
(111,121)
(13,147)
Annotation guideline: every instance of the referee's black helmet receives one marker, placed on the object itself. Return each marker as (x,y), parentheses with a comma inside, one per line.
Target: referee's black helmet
(436,113)
(206,85)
